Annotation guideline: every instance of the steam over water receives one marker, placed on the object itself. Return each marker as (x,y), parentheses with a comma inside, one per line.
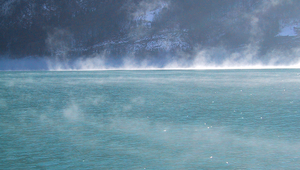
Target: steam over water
(208,119)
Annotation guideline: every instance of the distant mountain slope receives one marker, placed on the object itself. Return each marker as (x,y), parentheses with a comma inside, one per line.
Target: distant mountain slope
(68,28)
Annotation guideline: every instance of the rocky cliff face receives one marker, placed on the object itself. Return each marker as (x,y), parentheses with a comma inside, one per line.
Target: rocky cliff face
(68,28)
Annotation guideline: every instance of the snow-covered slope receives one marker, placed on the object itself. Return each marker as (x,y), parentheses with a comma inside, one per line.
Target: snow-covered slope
(84,27)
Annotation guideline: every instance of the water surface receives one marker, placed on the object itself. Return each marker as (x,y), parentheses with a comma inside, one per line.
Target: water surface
(187,119)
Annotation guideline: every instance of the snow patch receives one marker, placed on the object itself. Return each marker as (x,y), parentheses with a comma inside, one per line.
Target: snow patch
(148,16)
(147,13)
(289,29)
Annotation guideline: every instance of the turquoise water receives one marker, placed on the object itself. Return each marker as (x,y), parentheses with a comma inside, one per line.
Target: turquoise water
(196,119)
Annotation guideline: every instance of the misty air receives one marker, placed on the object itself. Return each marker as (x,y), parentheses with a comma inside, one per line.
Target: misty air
(149,84)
